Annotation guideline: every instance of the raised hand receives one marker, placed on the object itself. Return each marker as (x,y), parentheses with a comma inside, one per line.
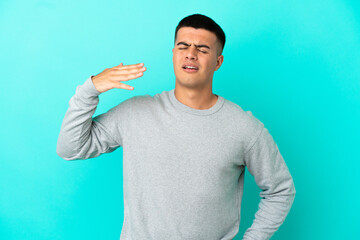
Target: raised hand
(113,77)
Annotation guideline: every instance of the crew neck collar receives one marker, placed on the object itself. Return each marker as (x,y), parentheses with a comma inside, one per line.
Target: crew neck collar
(180,106)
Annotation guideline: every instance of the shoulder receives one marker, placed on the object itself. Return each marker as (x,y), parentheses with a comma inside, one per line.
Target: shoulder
(145,103)
(141,101)
(246,117)
(245,124)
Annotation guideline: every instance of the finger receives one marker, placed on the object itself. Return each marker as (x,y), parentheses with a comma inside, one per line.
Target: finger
(129,71)
(117,66)
(131,66)
(123,86)
(127,77)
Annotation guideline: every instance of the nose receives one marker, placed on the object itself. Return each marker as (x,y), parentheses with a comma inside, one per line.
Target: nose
(191,53)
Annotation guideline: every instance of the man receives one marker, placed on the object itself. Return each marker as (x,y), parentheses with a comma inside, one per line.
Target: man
(184,150)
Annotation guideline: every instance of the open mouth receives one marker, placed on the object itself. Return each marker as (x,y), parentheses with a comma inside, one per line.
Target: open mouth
(188,68)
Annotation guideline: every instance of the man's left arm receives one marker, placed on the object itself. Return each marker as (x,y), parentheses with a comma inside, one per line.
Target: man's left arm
(272,175)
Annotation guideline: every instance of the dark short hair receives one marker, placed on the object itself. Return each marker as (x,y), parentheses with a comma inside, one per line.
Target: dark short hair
(201,21)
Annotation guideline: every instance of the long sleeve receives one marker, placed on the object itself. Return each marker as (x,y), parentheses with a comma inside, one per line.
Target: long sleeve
(81,136)
(272,175)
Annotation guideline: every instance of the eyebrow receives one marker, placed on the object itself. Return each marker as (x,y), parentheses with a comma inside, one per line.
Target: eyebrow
(198,46)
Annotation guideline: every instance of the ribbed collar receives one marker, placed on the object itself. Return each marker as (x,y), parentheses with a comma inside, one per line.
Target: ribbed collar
(182,107)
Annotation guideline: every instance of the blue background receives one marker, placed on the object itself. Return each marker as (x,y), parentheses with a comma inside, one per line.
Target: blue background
(294,64)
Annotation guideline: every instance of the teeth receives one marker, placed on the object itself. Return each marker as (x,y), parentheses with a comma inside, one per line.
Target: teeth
(190,67)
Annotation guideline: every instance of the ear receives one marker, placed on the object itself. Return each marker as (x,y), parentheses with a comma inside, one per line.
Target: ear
(219,62)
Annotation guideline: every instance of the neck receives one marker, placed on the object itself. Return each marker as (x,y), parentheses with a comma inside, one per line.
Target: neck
(196,98)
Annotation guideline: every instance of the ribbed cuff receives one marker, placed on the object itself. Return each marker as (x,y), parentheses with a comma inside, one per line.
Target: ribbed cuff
(89,88)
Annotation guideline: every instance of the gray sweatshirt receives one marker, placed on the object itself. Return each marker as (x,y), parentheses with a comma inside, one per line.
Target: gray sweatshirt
(183,168)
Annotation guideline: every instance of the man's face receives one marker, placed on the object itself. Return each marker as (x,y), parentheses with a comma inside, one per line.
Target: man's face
(196,47)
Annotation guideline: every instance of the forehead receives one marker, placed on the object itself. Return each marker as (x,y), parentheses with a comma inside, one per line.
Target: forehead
(198,36)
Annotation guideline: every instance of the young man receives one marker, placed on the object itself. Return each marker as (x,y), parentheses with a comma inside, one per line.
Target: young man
(184,150)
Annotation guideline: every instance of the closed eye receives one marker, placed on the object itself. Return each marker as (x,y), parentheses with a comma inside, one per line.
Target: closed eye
(199,50)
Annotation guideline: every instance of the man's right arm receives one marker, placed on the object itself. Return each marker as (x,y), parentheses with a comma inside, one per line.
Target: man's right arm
(82,136)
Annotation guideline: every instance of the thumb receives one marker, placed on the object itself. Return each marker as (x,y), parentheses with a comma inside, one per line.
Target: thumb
(118,66)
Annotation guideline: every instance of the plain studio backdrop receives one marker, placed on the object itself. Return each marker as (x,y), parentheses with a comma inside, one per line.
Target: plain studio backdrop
(294,64)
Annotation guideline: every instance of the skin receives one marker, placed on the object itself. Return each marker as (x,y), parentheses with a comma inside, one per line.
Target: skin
(195,89)
(114,77)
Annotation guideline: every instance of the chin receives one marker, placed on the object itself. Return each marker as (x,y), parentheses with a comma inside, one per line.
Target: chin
(189,82)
